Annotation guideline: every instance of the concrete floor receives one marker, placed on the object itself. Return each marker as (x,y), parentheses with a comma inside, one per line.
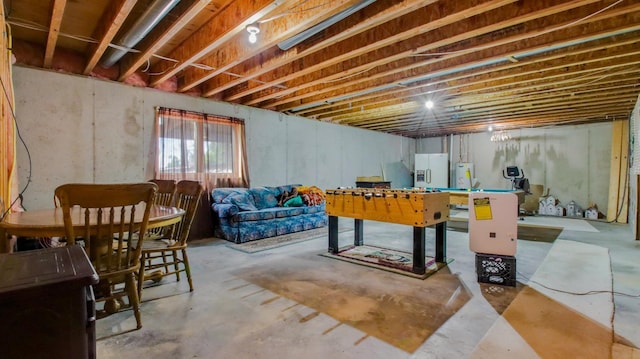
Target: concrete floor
(330,308)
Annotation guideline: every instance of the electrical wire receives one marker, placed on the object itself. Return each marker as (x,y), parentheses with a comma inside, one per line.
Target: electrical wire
(37,27)
(590,292)
(15,122)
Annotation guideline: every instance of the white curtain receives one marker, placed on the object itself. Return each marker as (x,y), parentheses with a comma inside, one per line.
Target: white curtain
(196,146)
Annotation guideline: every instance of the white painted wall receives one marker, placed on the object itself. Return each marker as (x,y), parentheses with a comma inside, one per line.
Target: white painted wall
(82,129)
(571,161)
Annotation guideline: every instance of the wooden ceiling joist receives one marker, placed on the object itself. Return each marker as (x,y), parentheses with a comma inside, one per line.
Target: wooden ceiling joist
(57,12)
(503,62)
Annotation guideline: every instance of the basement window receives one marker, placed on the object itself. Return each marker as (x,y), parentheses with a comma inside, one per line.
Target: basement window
(198,146)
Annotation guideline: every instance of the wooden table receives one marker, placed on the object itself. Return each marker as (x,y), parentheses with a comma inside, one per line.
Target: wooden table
(49,222)
(416,208)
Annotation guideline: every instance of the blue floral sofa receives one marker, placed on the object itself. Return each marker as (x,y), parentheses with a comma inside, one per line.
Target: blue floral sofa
(247,214)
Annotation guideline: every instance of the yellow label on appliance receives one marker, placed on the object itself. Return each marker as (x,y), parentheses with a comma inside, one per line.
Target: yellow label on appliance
(482,208)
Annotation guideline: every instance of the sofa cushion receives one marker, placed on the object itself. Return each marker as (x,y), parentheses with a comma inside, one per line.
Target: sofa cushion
(282,212)
(263,197)
(243,200)
(314,209)
(247,216)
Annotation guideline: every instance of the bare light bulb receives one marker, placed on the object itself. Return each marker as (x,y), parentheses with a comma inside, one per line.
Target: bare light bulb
(429,104)
(253,31)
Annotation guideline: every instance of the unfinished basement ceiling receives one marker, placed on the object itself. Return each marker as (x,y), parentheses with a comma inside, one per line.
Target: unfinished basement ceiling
(370,64)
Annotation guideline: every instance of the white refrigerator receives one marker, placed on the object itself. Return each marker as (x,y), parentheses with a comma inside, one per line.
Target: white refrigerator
(431,170)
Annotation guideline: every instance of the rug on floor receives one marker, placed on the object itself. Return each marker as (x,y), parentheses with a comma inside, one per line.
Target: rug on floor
(388,259)
(279,241)
(398,310)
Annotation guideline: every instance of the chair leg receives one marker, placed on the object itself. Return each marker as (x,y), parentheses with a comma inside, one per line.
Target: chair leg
(164,261)
(176,265)
(187,269)
(132,293)
(141,276)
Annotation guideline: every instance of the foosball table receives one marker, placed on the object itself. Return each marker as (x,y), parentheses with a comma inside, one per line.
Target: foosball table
(417,208)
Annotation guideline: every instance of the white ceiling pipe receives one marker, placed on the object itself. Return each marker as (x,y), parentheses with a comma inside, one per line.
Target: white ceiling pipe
(300,37)
(139,30)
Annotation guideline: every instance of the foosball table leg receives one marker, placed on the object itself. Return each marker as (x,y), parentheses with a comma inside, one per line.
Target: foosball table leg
(358,234)
(333,234)
(441,242)
(418,250)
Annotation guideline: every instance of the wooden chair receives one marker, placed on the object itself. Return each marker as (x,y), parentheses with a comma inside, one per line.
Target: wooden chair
(106,218)
(168,256)
(164,197)
(166,191)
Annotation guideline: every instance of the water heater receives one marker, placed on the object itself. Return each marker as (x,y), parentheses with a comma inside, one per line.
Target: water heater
(464,175)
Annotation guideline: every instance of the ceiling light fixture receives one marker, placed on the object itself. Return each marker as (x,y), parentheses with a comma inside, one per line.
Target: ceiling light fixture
(500,136)
(429,104)
(253,31)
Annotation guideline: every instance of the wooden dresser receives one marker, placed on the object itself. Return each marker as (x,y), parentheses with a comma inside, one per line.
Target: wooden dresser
(47,304)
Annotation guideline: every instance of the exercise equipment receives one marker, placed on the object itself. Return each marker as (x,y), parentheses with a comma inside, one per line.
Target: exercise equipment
(516,176)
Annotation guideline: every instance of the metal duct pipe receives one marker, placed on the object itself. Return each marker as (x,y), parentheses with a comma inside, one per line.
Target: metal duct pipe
(300,37)
(139,30)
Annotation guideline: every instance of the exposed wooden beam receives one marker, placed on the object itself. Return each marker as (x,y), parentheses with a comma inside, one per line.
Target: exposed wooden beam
(373,15)
(57,11)
(541,77)
(502,48)
(224,26)
(450,82)
(370,45)
(272,31)
(108,26)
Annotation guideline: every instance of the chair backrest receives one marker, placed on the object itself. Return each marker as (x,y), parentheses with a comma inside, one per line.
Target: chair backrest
(188,195)
(164,197)
(107,217)
(166,191)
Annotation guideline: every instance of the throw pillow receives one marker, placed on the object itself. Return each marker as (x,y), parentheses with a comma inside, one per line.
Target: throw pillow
(294,202)
(242,200)
(263,197)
